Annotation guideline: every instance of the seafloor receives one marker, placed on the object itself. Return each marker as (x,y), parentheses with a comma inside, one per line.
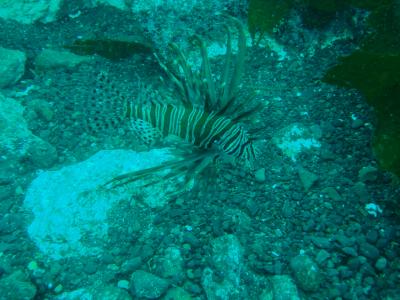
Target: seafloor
(318,219)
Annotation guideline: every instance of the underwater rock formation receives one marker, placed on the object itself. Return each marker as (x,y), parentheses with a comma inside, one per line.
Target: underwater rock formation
(17,286)
(12,66)
(17,142)
(51,59)
(30,11)
(70,205)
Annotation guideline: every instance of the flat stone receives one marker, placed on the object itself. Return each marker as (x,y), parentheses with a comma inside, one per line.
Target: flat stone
(332,193)
(71,205)
(306,273)
(370,251)
(350,251)
(307,178)
(381,264)
(260,175)
(12,66)
(29,11)
(322,256)
(147,285)
(52,59)
(368,173)
(321,242)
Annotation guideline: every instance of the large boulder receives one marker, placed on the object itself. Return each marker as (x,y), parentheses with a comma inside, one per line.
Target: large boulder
(71,206)
(30,11)
(17,286)
(18,143)
(12,66)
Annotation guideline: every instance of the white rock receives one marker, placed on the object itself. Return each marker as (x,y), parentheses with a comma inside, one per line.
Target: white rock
(70,205)
(295,139)
(373,209)
(12,66)
(123,284)
(29,11)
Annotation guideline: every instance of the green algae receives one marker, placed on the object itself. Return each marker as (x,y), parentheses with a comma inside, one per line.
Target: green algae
(377,77)
(374,70)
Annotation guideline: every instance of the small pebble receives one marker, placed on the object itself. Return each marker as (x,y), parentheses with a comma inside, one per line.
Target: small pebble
(350,251)
(32,266)
(322,255)
(58,289)
(123,284)
(368,173)
(260,175)
(357,123)
(369,251)
(381,264)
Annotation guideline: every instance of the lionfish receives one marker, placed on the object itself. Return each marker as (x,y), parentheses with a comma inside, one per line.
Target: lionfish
(209,117)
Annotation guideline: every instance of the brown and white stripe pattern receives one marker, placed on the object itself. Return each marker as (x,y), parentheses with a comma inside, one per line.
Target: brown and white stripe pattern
(196,126)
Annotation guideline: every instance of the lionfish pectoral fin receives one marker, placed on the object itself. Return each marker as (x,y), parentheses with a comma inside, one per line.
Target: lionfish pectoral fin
(146,132)
(124,179)
(130,177)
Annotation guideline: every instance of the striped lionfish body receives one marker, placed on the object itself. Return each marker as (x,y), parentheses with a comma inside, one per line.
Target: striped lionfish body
(194,125)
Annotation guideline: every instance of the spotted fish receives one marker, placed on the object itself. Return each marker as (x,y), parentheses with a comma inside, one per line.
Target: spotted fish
(208,116)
